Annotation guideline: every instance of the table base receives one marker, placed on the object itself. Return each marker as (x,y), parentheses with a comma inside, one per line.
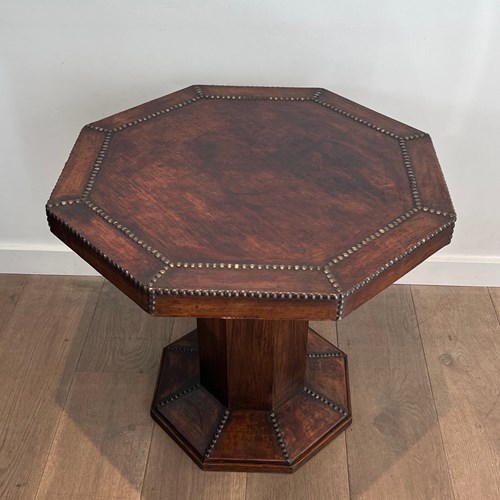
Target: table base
(268,429)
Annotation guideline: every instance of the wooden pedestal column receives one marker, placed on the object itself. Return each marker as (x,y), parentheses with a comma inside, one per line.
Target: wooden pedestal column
(254,365)
(252,395)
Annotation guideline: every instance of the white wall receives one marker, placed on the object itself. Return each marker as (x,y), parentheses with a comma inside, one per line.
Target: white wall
(432,64)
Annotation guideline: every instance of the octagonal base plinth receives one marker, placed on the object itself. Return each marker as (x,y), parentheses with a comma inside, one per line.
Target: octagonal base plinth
(278,439)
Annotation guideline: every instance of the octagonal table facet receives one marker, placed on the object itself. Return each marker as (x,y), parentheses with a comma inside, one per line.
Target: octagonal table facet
(253,209)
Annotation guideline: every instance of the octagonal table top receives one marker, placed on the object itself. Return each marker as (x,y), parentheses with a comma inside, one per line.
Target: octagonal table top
(286,203)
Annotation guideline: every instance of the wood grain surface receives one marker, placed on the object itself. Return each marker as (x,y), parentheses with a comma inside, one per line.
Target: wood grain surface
(398,446)
(248,426)
(495,297)
(102,441)
(255,202)
(461,336)
(395,443)
(171,474)
(10,289)
(324,477)
(39,350)
(235,354)
(122,337)
(168,464)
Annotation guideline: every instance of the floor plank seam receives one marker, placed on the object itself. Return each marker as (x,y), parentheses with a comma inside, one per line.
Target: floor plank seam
(15,305)
(88,330)
(146,463)
(494,307)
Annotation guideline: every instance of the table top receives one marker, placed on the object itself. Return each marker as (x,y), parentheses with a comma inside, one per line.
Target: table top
(286,203)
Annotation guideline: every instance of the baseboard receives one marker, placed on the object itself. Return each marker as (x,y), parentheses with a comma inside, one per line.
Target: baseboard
(42,259)
(457,270)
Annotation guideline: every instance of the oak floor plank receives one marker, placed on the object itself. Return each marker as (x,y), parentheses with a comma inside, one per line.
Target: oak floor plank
(171,474)
(181,327)
(11,286)
(102,442)
(123,337)
(394,445)
(98,445)
(461,338)
(324,477)
(39,350)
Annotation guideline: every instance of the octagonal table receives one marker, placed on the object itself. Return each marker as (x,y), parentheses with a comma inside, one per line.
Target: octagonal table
(254,210)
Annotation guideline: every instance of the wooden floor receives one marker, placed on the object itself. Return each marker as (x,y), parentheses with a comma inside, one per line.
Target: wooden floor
(78,363)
